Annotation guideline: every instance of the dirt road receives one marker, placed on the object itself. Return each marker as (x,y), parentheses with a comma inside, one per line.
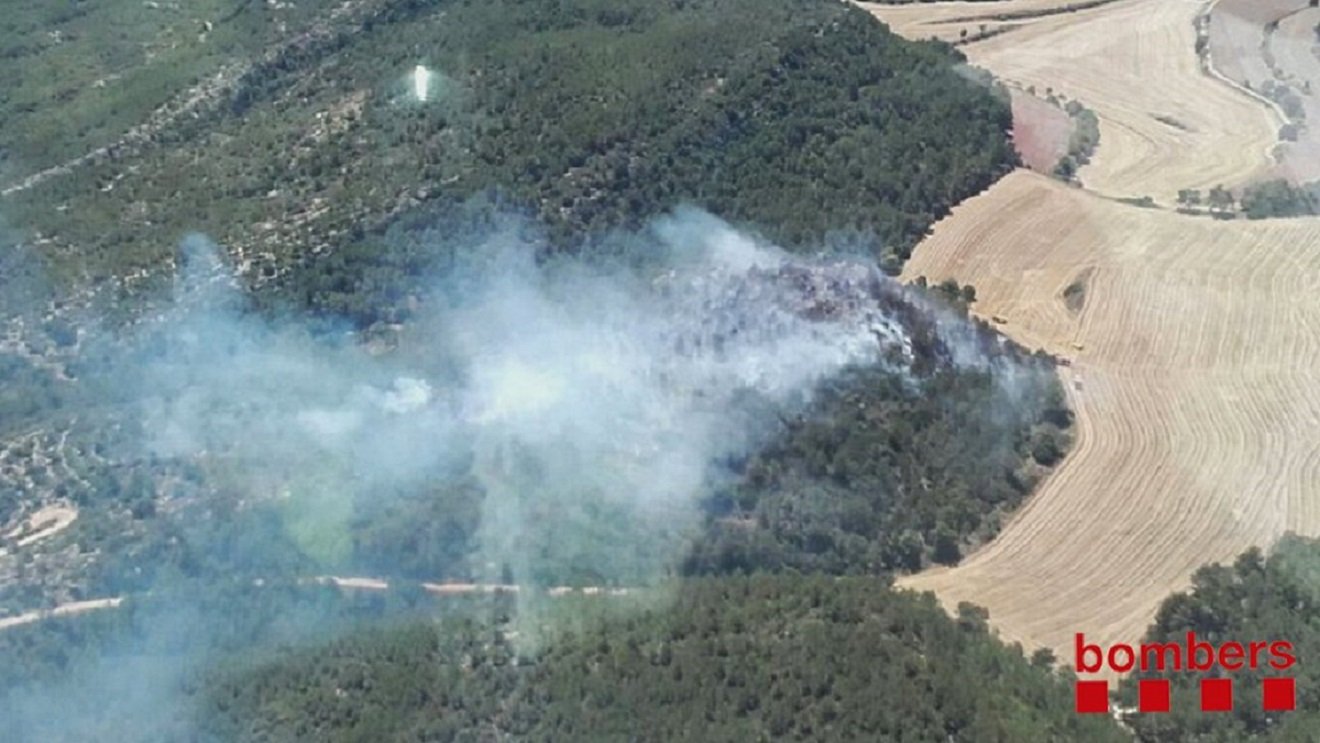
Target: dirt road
(348,583)
(63,610)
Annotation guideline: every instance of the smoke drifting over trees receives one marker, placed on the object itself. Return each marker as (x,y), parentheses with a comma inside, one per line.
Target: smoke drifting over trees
(389,381)
(538,423)
(568,394)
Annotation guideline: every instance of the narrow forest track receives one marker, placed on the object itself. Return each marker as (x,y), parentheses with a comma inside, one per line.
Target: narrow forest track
(1194,351)
(63,610)
(344,583)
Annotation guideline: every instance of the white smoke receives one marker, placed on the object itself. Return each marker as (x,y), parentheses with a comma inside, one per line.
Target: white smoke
(592,404)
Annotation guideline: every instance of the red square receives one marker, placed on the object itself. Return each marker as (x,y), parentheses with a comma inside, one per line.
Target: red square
(1280,694)
(1153,695)
(1216,695)
(1092,697)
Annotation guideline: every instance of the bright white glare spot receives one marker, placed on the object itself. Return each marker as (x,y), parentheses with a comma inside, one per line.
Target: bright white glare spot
(511,388)
(409,394)
(329,426)
(421,82)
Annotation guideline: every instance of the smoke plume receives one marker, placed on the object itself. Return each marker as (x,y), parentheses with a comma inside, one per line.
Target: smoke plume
(589,405)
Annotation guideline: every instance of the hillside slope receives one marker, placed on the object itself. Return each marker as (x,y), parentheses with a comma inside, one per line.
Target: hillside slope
(589,116)
(735,659)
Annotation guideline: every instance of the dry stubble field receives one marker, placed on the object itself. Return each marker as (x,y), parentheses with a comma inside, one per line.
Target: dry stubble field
(1260,43)
(1196,353)
(1196,380)
(1130,61)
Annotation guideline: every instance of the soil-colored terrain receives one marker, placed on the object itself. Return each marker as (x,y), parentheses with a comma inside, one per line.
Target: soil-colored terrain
(1191,342)
(1271,47)
(1194,378)
(1040,132)
(965,22)
(1164,124)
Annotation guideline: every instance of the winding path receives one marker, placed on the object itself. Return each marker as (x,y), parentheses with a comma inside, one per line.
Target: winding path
(344,583)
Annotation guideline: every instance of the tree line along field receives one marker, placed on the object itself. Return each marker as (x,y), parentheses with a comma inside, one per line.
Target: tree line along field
(1266,48)
(1176,412)
(967,24)
(748,658)
(1218,135)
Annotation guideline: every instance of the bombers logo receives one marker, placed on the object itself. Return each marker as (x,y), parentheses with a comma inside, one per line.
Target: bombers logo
(1279,693)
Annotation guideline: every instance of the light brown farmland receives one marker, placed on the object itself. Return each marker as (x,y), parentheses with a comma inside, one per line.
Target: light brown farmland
(1196,351)
(948,21)
(1237,31)
(1164,125)
(1271,46)
(1040,132)
(1197,393)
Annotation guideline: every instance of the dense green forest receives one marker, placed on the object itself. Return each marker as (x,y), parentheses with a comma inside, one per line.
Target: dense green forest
(886,470)
(128,674)
(736,659)
(818,127)
(1258,597)
(1278,198)
(290,134)
(80,75)
(882,475)
(755,657)
(761,657)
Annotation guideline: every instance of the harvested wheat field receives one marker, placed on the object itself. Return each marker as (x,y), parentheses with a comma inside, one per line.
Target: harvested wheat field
(1195,343)
(1197,389)
(1271,47)
(959,22)
(1164,124)
(1237,33)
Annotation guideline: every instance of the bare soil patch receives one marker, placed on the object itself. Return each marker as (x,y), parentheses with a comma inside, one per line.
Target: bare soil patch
(42,524)
(1041,132)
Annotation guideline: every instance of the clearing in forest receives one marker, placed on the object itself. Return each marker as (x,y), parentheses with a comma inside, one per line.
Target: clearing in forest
(44,523)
